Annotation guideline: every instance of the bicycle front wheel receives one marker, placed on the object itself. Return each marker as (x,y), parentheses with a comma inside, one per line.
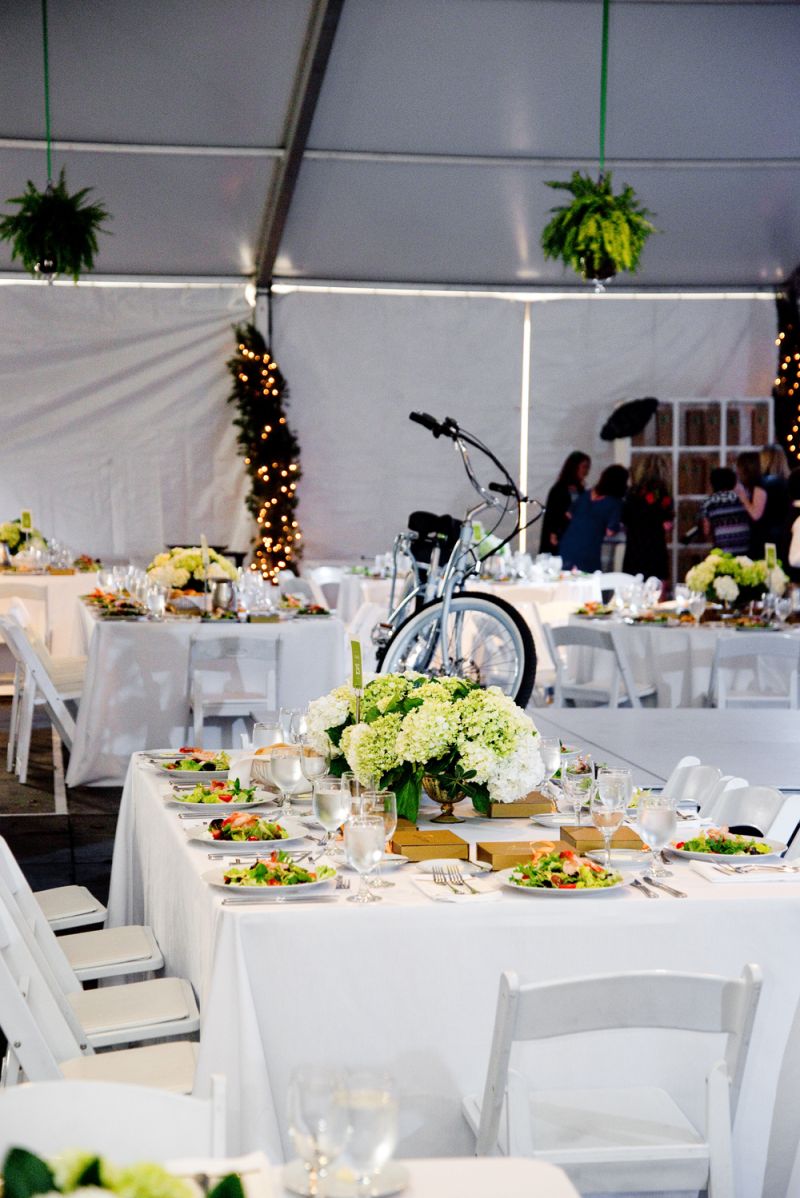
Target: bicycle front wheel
(487,640)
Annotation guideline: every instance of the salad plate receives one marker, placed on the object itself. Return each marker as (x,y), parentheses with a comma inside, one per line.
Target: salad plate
(739,848)
(275,878)
(555,820)
(240,826)
(388,861)
(215,794)
(551,868)
(192,766)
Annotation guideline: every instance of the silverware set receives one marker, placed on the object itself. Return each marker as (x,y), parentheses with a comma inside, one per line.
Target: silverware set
(452,877)
(732,870)
(650,887)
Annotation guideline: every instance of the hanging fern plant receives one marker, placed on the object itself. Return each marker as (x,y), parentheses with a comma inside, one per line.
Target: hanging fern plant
(53,233)
(598,234)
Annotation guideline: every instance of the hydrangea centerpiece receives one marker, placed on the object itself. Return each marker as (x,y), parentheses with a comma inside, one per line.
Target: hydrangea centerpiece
(473,742)
(87,1175)
(11,532)
(182,569)
(721,577)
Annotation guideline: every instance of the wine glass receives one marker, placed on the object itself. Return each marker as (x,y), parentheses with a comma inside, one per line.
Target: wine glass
(363,846)
(318,1120)
(105,580)
(783,609)
(384,804)
(285,770)
(294,722)
(658,821)
(610,800)
(267,732)
(682,596)
(697,606)
(577,778)
(314,762)
(156,600)
(372,1124)
(550,753)
(330,803)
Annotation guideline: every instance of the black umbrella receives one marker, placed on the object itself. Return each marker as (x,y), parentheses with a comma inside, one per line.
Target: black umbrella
(629,418)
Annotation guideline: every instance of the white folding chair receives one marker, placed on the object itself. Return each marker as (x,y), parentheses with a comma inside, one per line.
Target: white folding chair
(675,782)
(43,1045)
(35,600)
(40,679)
(49,1118)
(757,807)
(87,956)
(619,1140)
(231,651)
(615,580)
(157,1009)
(556,613)
(755,652)
(328,579)
(705,786)
(304,589)
(618,689)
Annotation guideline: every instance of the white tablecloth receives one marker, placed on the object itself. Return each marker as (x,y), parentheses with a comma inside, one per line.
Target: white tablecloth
(677,661)
(135,690)
(485,1177)
(411,984)
(61,599)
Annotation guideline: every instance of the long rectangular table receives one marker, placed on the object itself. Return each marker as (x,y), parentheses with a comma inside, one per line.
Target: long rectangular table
(410,984)
(135,691)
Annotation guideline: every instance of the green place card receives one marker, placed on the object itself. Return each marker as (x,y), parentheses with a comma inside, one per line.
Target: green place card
(26,519)
(770,555)
(358,673)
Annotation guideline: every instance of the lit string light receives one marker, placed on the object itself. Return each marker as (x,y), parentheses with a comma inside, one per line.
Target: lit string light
(270,451)
(786,389)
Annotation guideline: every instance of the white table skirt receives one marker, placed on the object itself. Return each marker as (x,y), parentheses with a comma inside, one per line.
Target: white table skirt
(411,985)
(61,624)
(677,661)
(135,693)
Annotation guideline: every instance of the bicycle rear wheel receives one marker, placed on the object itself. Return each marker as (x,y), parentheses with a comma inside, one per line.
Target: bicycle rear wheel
(488,642)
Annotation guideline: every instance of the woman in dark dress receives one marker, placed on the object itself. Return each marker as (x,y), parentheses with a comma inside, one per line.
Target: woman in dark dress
(752,493)
(647,513)
(595,514)
(566,489)
(775,481)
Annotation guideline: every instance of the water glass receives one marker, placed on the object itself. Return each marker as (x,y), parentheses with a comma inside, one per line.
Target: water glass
(314,762)
(697,606)
(267,732)
(156,600)
(371,1103)
(577,779)
(612,794)
(317,1120)
(330,804)
(105,580)
(285,770)
(550,753)
(363,846)
(682,596)
(658,822)
(294,723)
(384,804)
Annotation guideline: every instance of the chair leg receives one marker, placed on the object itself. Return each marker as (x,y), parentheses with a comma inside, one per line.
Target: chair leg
(25,729)
(12,730)
(197,712)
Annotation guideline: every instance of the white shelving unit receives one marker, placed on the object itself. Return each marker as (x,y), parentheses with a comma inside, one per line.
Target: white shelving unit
(696,435)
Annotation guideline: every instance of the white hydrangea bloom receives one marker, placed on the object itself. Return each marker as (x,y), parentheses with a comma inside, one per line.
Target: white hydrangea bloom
(726,589)
(514,776)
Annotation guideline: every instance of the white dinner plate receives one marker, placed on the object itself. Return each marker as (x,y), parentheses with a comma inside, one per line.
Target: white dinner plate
(212,809)
(193,776)
(556,820)
(467,867)
(388,861)
(775,846)
(505,880)
(201,835)
(215,879)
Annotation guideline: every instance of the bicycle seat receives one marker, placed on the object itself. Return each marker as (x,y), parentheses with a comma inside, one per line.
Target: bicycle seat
(431,530)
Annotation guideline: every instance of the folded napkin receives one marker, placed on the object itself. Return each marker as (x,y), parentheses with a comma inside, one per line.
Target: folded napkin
(254,1170)
(707,871)
(444,894)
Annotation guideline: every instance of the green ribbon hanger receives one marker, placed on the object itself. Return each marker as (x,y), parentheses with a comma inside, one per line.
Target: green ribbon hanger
(603,87)
(46,52)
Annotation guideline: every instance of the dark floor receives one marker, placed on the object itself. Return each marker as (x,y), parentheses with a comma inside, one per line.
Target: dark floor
(55,849)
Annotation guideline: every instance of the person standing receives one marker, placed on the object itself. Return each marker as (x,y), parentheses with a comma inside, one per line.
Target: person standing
(595,515)
(570,483)
(647,514)
(753,496)
(722,517)
(775,481)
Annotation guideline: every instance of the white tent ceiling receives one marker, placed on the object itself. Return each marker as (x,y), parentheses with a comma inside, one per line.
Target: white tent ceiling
(437,123)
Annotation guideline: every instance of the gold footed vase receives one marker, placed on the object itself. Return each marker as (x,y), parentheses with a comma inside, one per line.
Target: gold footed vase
(436,792)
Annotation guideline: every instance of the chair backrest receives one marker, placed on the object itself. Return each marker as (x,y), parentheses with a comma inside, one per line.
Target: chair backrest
(303,588)
(755,806)
(656,999)
(23,650)
(598,639)
(614,580)
(708,799)
(19,890)
(30,603)
(49,1118)
(327,580)
(747,650)
(674,783)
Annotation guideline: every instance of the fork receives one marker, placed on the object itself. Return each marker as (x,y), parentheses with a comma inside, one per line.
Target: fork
(455,875)
(342,883)
(440,878)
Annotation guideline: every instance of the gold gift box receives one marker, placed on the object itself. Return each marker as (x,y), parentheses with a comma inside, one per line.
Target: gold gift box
(424,846)
(60,570)
(534,803)
(587,837)
(503,854)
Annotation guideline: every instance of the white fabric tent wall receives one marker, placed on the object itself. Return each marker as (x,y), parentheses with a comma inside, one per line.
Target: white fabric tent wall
(357,364)
(115,431)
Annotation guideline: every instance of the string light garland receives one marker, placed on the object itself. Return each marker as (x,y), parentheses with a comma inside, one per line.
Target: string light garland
(786,390)
(270,450)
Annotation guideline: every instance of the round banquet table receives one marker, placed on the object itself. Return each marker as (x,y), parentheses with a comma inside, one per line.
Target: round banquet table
(135,690)
(410,984)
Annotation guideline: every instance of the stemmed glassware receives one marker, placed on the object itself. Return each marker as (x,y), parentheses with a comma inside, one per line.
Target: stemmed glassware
(577,779)
(658,821)
(697,606)
(330,803)
(314,762)
(682,596)
(156,601)
(550,753)
(384,804)
(294,723)
(372,1124)
(266,732)
(285,770)
(318,1120)
(610,798)
(363,846)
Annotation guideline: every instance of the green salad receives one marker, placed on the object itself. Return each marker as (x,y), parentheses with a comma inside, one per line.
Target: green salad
(278,870)
(563,871)
(205,762)
(244,825)
(217,792)
(720,840)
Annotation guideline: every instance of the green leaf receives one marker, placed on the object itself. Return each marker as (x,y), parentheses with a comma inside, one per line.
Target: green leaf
(229,1186)
(25,1175)
(91,1175)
